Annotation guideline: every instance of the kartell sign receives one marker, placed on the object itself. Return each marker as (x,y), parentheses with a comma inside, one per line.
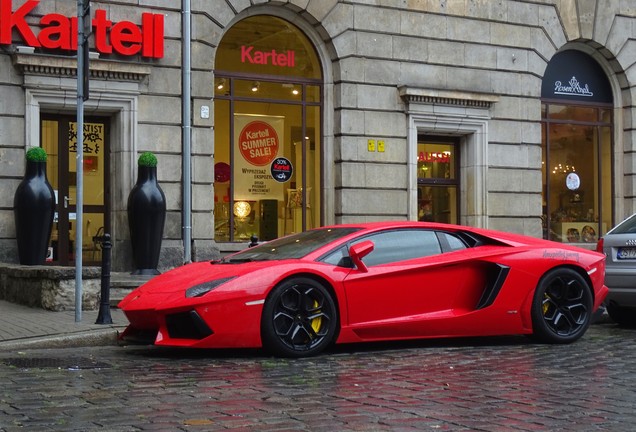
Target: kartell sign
(58,32)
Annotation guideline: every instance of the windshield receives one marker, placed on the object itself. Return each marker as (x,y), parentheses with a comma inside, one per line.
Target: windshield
(290,247)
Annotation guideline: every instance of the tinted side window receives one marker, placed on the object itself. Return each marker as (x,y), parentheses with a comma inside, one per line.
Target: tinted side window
(401,245)
(339,257)
(450,242)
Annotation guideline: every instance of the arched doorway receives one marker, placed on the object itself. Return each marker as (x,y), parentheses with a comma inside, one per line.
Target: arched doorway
(267,131)
(577,148)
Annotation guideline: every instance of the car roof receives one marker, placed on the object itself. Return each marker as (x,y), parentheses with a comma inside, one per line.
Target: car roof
(511,239)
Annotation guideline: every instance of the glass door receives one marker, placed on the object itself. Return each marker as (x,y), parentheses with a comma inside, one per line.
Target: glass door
(59,139)
(437,180)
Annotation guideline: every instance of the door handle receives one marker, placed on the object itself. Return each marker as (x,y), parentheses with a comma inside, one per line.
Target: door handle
(66,200)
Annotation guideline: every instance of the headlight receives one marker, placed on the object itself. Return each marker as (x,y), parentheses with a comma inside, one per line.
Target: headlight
(204,288)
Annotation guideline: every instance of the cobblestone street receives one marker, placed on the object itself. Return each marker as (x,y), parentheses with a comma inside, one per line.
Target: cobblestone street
(502,384)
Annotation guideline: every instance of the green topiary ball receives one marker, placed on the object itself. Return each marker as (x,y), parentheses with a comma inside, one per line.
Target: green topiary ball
(36,154)
(147,159)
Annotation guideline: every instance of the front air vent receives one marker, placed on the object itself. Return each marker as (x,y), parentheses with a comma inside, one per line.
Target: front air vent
(187,325)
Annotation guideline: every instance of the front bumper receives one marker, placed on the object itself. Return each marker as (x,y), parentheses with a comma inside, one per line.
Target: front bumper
(232,324)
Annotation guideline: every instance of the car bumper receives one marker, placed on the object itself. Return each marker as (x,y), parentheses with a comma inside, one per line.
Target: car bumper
(620,279)
(625,297)
(622,287)
(232,324)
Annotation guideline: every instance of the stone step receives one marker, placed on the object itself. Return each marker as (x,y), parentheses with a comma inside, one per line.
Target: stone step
(121,284)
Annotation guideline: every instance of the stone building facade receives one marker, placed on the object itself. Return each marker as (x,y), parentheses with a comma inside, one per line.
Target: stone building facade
(463,111)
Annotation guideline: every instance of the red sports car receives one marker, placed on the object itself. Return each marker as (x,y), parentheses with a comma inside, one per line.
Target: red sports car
(298,294)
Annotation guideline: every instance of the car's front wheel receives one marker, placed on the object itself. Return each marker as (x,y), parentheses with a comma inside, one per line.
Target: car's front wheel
(299,319)
(562,307)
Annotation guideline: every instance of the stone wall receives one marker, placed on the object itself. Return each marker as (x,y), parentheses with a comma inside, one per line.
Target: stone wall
(48,287)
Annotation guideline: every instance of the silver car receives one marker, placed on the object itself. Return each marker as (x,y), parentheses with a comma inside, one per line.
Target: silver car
(619,246)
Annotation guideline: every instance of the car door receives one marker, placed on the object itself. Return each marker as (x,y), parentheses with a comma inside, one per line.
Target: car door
(409,281)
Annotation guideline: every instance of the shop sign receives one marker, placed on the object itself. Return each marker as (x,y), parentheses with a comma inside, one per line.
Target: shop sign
(440,157)
(60,32)
(573,89)
(273,57)
(574,75)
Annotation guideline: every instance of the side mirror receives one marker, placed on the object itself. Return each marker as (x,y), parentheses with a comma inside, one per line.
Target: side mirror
(359,251)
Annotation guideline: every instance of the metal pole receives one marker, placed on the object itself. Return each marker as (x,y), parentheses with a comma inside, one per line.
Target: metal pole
(187,136)
(104,305)
(79,160)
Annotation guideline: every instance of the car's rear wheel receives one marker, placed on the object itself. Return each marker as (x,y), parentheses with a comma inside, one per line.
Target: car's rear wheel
(300,318)
(562,307)
(622,316)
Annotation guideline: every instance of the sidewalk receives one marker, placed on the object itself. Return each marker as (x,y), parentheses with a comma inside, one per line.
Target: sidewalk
(22,327)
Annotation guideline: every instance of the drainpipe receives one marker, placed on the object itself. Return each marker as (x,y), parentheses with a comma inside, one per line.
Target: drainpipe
(83,17)
(187,133)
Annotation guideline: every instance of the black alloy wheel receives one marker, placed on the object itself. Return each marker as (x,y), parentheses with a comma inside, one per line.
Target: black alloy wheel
(562,307)
(299,319)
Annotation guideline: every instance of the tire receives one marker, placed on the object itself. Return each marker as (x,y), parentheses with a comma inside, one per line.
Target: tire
(300,318)
(562,307)
(623,316)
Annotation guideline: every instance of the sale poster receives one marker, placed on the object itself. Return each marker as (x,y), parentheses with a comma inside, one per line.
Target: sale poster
(258,141)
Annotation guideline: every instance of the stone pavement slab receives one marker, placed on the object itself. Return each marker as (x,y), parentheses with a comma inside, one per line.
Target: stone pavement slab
(26,327)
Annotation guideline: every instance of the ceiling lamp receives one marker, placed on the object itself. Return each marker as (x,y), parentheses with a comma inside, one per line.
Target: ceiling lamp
(221,84)
(255,86)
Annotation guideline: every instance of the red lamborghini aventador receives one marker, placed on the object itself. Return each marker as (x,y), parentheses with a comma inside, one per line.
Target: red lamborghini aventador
(296,295)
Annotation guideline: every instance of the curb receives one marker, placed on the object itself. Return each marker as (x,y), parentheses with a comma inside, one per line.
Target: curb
(93,338)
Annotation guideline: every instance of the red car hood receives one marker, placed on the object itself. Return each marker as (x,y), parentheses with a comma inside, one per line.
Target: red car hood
(184,277)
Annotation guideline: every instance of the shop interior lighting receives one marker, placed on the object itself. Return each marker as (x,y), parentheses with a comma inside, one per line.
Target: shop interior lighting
(563,169)
(242,209)
(255,86)
(221,84)
(295,91)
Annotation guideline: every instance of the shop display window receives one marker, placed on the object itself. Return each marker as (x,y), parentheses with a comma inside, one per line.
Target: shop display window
(267,134)
(577,155)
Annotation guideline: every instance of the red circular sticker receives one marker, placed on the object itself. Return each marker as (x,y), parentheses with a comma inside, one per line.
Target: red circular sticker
(258,142)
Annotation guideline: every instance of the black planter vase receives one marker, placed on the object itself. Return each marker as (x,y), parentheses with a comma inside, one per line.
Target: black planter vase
(146,218)
(33,209)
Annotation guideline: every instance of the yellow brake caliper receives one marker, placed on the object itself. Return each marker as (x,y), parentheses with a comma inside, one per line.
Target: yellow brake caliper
(546,304)
(316,322)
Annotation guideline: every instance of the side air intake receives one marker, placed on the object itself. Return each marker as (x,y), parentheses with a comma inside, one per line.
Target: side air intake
(496,276)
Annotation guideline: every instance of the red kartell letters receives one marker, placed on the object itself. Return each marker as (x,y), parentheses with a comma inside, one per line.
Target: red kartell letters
(250,55)
(60,32)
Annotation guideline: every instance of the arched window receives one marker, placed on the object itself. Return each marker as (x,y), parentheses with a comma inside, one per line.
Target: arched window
(576,120)
(267,131)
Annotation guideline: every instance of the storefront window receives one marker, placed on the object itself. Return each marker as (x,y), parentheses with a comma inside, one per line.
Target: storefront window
(437,180)
(577,150)
(267,132)
(577,172)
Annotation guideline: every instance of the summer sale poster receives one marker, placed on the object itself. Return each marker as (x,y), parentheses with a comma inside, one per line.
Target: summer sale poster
(258,140)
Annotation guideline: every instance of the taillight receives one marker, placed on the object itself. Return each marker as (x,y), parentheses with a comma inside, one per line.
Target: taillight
(599,245)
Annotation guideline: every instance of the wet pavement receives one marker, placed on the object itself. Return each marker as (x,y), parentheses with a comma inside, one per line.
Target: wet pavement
(25,327)
(493,384)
